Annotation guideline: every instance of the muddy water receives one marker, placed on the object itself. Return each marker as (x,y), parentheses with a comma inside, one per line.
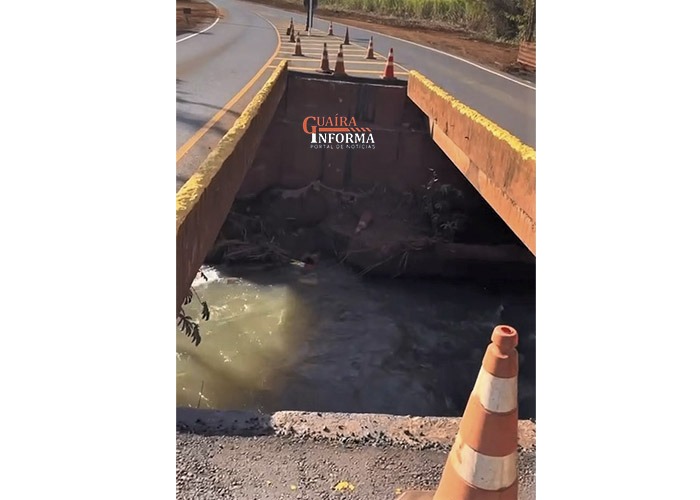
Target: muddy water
(334,341)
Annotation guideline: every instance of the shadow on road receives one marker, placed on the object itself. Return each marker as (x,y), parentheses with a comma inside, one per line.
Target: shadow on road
(222,423)
(196,103)
(197,123)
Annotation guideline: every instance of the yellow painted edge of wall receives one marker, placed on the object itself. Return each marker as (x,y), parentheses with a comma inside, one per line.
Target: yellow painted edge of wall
(526,152)
(189,194)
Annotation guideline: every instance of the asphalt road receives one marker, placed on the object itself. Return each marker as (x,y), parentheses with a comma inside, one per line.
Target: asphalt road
(225,66)
(222,467)
(212,68)
(218,72)
(216,64)
(504,99)
(290,455)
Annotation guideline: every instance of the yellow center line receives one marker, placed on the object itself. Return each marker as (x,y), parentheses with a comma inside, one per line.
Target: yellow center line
(363,71)
(376,54)
(320,46)
(299,60)
(316,57)
(185,148)
(351,53)
(305,40)
(319,52)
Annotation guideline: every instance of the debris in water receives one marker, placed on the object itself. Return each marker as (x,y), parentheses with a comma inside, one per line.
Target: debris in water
(365,221)
(311,259)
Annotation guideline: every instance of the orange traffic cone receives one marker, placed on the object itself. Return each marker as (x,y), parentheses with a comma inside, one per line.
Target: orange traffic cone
(290,28)
(370,49)
(325,67)
(297,48)
(340,63)
(483,461)
(389,69)
(291,36)
(347,37)
(330,29)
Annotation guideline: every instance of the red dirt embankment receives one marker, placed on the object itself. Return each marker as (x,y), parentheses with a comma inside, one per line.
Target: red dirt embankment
(499,56)
(200,15)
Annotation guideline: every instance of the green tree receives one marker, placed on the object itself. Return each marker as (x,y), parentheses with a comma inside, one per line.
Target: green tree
(188,325)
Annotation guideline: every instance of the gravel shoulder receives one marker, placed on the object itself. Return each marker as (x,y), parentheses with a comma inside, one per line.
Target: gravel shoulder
(300,455)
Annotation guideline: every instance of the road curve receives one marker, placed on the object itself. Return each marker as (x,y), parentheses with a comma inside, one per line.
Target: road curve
(504,99)
(219,71)
(215,66)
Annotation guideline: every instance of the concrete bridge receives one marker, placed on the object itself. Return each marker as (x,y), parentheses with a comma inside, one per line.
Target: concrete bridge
(496,163)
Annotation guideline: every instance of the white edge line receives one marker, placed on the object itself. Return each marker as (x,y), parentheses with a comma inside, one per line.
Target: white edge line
(205,29)
(279,40)
(488,70)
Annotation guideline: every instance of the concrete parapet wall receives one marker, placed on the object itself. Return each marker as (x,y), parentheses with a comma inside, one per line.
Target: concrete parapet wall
(267,147)
(203,203)
(497,164)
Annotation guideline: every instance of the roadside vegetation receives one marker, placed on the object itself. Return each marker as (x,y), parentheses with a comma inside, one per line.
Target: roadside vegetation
(191,15)
(497,20)
(186,323)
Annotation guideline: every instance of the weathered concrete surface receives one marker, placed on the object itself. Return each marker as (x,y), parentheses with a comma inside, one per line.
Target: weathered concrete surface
(497,164)
(268,147)
(205,200)
(402,157)
(291,455)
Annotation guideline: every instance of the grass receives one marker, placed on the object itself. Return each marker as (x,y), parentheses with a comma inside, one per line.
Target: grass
(458,12)
(494,20)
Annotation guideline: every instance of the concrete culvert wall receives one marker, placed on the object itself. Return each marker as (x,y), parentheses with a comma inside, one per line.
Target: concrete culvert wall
(500,166)
(388,203)
(203,203)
